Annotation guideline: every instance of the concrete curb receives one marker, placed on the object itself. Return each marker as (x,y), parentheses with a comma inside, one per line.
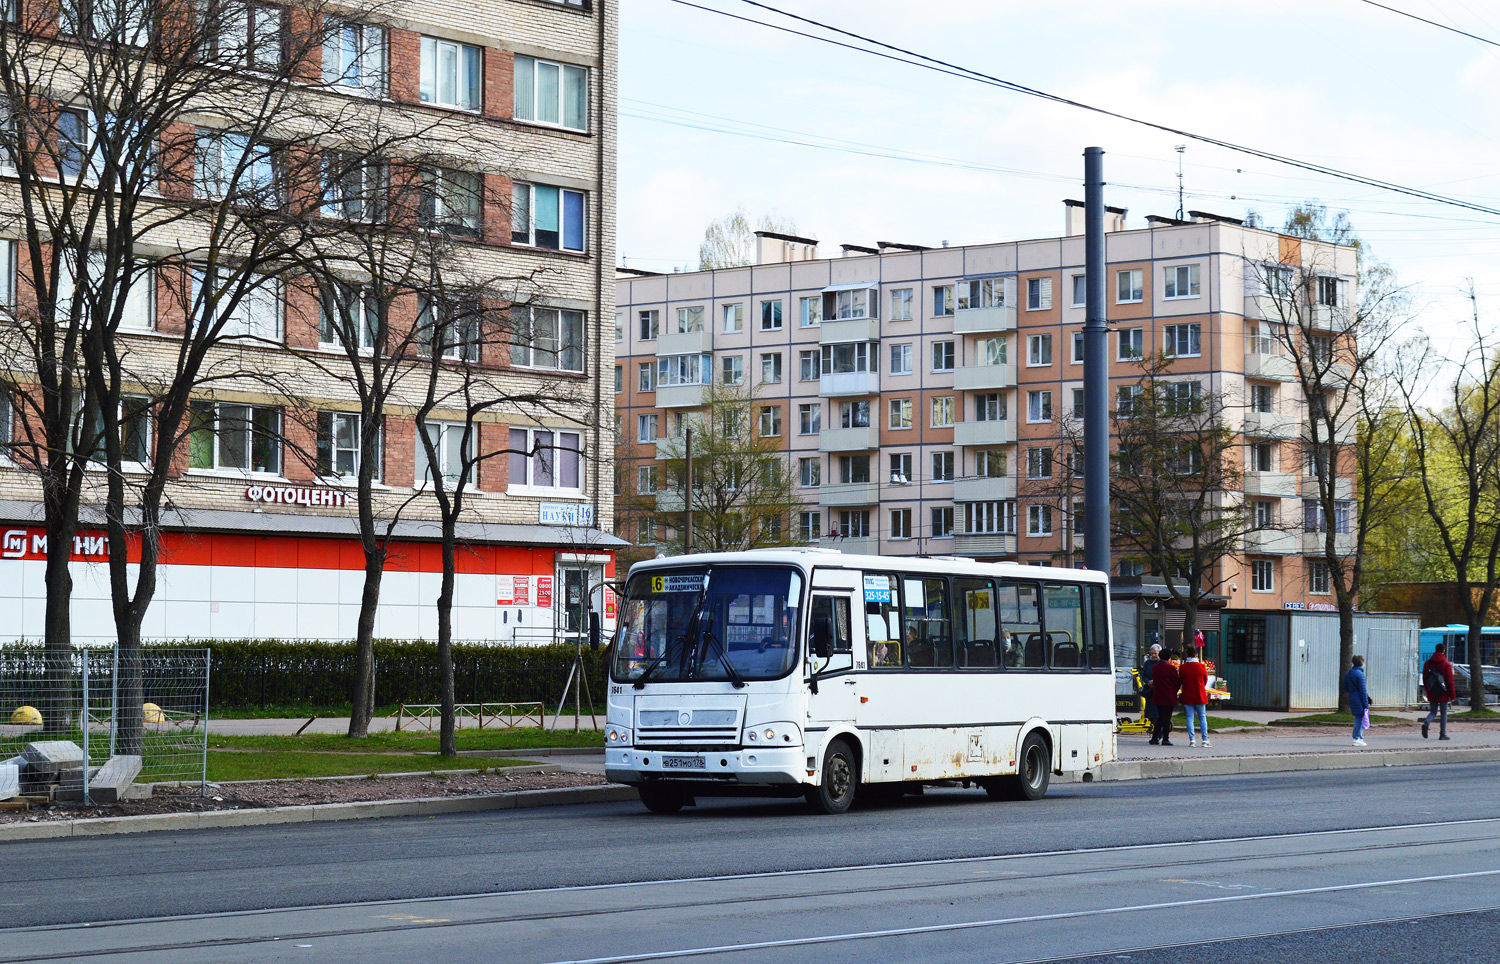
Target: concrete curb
(317,813)
(1213,766)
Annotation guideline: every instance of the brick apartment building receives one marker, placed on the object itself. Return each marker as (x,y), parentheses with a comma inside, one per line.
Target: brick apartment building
(262,543)
(925,398)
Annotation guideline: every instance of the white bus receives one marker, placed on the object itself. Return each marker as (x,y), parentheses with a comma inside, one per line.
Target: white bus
(808,671)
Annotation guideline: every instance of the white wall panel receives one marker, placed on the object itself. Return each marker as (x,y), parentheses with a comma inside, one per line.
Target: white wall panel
(276,620)
(274,584)
(319,586)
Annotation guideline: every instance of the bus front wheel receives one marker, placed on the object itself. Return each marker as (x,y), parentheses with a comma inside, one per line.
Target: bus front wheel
(1033,772)
(835,792)
(664,799)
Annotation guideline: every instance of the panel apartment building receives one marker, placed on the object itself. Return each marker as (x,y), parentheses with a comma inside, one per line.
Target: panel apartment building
(927,399)
(262,541)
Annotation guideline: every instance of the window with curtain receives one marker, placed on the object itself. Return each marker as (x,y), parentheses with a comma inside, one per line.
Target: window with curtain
(547,217)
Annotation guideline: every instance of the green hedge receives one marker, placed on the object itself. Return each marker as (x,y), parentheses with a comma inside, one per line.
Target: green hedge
(247,674)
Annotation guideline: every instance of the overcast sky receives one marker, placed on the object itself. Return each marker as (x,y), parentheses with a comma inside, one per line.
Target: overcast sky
(1338,82)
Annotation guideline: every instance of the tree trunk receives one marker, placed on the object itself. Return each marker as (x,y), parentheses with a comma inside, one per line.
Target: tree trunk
(130,721)
(447,739)
(1346,651)
(1189,627)
(1476,660)
(364,648)
(58,703)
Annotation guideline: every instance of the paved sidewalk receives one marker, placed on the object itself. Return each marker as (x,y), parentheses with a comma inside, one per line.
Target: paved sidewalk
(1287,740)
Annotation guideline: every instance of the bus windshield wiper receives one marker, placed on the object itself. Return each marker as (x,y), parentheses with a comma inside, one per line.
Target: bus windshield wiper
(640,681)
(734,674)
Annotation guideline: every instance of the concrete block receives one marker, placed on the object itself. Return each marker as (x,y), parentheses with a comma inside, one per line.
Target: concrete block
(1210,766)
(1152,769)
(52,756)
(110,782)
(254,818)
(139,791)
(526,799)
(10,781)
(1262,764)
(1349,761)
(41,830)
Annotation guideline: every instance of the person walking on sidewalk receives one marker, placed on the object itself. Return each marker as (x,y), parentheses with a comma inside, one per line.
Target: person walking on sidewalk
(1153,659)
(1359,697)
(1194,686)
(1437,680)
(1164,685)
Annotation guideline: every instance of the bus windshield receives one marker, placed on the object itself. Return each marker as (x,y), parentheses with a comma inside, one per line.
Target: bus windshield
(708,623)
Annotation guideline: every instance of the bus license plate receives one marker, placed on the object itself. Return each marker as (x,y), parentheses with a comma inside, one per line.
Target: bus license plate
(682,763)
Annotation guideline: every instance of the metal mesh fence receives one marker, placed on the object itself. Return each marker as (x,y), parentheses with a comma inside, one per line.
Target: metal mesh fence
(114,710)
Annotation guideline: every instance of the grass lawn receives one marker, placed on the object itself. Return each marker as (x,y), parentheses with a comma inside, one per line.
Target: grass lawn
(230,765)
(1474,716)
(467,739)
(1335,719)
(1216,723)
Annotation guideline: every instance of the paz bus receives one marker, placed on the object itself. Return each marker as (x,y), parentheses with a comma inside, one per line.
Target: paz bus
(812,672)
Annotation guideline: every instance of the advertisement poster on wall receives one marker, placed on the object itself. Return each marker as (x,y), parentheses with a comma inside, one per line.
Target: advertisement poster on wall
(544,592)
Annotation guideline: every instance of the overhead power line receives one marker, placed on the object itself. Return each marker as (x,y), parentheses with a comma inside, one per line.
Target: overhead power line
(1434,23)
(915,59)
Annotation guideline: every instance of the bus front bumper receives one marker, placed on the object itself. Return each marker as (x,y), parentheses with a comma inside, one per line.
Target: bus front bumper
(772,765)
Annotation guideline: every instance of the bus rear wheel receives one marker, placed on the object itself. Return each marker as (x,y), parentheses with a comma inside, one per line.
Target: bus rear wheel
(1033,773)
(835,792)
(664,799)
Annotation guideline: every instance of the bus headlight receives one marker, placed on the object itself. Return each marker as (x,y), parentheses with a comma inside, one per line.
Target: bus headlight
(616,736)
(775,734)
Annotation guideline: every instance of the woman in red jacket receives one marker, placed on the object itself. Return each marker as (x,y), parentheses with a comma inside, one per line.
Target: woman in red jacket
(1194,683)
(1164,683)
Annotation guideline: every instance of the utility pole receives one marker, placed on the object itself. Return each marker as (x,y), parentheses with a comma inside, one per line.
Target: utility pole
(1181,149)
(687,495)
(1095,369)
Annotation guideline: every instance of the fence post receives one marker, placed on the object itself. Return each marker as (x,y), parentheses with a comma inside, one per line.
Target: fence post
(203,776)
(84,656)
(114,698)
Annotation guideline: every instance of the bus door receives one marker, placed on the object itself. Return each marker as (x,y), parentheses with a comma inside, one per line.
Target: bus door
(835,697)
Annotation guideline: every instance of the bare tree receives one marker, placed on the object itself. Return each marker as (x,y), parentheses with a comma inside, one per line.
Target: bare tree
(1053,475)
(729,242)
(1457,453)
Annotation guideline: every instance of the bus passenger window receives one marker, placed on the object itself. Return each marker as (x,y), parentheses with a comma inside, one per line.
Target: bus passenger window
(1065,625)
(835,609)
(929,635)
(1097,643)
(974,627)
(1021,641)
(882,620)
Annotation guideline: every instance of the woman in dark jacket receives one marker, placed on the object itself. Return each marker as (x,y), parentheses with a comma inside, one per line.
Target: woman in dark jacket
(1164,684)
(1359,697)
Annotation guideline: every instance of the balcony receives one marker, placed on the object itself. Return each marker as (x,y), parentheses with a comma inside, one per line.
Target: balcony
(1343,489)
(1272,542)
(849,493)
(1264,308)
(685,343)
(1272,425)
(983,378)
(840,384)
(987,544)
(1276,485)
(669,500)
(859,545)
(846,330)
(1279,367)
(992,432)
(984,490)
(1313,544)
(848,439)
(680,396)
(984,321)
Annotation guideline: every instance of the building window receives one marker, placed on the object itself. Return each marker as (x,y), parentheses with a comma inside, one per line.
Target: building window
(1132,568)
(808,365)
(552,93)
(1039,406)
(252,34)
(1180,281)
(1263,457)
(770,368)
(1039,520)
(942,301)
(854,523)
(901,359)
(1183,341)
(1262,575)
(348,317)
(901,472)
(1039,463)
(810,472)
(1077,348)
(1129,286)
(810,526)
(990,518)
(450,74)
(942,466)
(901,413)
(256,316)
(900,523)
(1318,581)
(990,464)
(541,458)
(353,187)
(546,217)
(942,412)
(1038,351)
(229,436)
(1314,519)
(943,356)
(1180,398)
(645,377)
(646,479)
(900,304)
(1080,291)
(339,445)
(354,56)
(1131,345)
(1038,294)
(942,522)
(1077,411)
(1076,462)
(770,421)
(689,320)
(810,419)
(645,428)
(993,351)
(1262,398)
(1333,292)
(688,369)
(619,327)
(984,293)
(848,358)
(449,329)
(1247,638)
(734,319)
(733,370)
(770,315)
(226,165)
(991,407)
(619,379)
(650,325)
(854,414)
(851,304)
(450,201)
(854,469)
(1265,513)
(550,338)
(7,273)
(1125,399)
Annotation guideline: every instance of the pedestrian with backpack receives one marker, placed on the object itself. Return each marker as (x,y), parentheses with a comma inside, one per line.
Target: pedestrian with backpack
(1359,698)
(1164,685)
(1437,680)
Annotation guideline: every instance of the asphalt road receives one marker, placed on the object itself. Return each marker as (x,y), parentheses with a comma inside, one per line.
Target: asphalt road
(1356,865)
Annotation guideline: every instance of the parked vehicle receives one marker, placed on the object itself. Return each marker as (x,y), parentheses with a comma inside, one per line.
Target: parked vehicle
(1461,684)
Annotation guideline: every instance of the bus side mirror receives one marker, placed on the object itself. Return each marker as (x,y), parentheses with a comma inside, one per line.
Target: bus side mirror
(596,632)
(822,637)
